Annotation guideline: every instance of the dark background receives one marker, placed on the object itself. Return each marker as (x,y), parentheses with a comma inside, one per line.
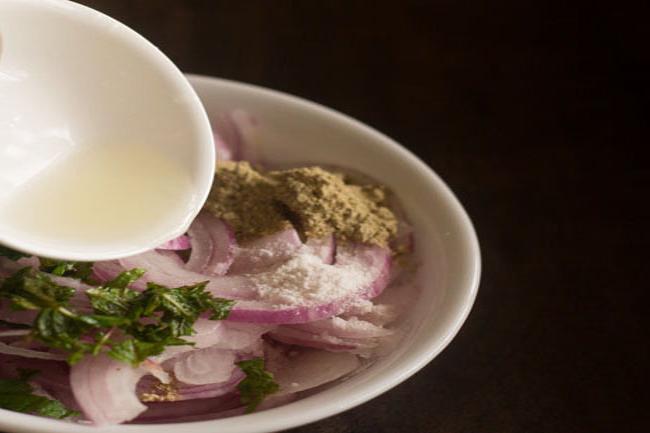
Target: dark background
(534,113)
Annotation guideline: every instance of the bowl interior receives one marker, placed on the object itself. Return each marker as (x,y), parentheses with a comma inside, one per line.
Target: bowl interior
(292,130)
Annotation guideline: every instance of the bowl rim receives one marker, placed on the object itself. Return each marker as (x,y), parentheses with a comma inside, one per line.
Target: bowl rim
(268,420)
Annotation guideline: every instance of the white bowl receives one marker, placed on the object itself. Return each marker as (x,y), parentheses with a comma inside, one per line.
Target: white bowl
(77,83)
(295,130)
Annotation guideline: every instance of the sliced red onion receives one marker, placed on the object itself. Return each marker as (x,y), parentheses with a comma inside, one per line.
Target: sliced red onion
(266,251)
(377,314)
(264,312)
(69,282)
(172,255)
(235,136)
(242,337)
(21,317)
(324,248)
(213,245)
(187,392)
(204,366)
(237,132)
(32,261)
(106,389)
(14,333)
(220,335)
(374,260)
(247,126)
(202,246)
(180,243)
(334,334)
(190,410)
(307,369)
(227,138)
(394,301)
(167,272)
(8,349)
(109,269)
(206,333)
(8,267)
(163,270)
(225,152)
(299,337)
(156,370)
(345,328)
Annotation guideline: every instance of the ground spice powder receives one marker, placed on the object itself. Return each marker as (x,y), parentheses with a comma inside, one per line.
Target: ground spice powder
(244,199)
(316,201)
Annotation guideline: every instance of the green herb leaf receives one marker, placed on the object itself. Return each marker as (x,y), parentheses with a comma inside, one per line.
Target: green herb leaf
(62,331)
(125,351)
(11,254)
(220,308)
(186,302)
(258,383)
(115,298)
(80,270)
(18,395)
(135,351)
(112,301)
(29,289)
(126,278)
(129,325)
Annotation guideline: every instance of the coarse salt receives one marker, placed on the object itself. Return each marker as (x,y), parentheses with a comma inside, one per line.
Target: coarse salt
(304,280)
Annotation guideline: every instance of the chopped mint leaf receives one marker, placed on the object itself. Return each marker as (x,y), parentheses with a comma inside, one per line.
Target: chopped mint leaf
(18,395)
(62,331)
(126,278)
(11,254)
(112,300)
(258,383)
(220,308)
(126,324)
(29,289)
(135,351)
(186,302)
(62,268)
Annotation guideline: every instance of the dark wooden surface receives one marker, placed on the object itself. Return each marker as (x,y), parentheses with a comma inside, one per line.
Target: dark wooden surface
(535,114)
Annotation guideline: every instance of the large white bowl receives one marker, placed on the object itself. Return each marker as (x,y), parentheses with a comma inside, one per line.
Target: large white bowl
(295,130)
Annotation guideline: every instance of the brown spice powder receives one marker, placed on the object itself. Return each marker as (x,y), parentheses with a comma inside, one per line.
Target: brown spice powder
(244,199)
(318,203)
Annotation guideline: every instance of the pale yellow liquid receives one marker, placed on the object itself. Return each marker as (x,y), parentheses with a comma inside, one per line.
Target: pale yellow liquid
(102,195)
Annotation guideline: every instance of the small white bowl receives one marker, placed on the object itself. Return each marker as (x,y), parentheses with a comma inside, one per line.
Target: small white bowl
(292,130)
(77,83)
